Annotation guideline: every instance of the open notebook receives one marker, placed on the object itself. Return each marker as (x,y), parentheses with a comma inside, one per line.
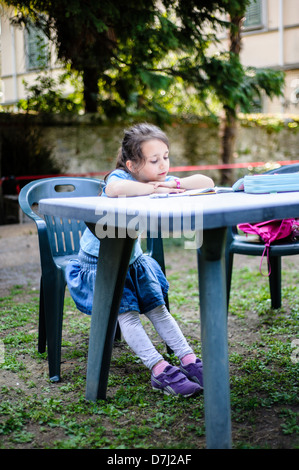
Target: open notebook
(195,192)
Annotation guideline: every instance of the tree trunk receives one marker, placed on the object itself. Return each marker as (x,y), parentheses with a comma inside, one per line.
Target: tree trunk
(228,128)
(91,89)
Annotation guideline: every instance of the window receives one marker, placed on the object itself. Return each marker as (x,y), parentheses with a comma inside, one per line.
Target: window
(36,44)
(257,106)
(253,16)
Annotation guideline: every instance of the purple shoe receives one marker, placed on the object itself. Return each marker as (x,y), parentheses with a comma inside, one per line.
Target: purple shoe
(173,382)
(194,372)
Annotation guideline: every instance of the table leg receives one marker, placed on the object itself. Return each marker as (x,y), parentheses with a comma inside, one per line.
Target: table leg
(113,263)
(213,313)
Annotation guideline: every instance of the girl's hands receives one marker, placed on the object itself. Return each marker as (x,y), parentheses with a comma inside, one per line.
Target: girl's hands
(166,187)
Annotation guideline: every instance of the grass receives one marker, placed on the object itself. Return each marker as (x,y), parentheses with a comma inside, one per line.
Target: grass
(35,413)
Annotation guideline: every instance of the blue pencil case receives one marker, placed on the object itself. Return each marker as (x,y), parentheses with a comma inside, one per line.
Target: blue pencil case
(274,183)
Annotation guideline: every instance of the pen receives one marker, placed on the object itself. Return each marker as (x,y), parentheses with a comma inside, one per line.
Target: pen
(154,196)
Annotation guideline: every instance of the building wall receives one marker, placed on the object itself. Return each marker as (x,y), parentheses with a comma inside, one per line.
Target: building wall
(13,61)
(275,45)
(81,145)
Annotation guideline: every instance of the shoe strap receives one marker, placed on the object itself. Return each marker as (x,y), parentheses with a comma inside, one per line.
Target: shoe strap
(174,374)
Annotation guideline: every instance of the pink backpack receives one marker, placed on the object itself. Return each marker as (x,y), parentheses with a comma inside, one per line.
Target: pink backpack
(270,231)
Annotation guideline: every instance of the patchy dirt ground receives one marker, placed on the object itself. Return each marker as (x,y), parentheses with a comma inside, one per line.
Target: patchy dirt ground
(19,265)
(19,256)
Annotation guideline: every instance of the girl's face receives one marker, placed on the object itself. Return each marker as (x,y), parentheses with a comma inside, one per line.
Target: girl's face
(156,166)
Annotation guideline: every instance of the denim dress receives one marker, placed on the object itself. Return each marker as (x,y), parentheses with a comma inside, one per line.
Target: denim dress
(145,285)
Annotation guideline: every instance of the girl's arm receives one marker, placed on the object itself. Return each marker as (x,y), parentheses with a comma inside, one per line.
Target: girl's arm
(196,181)
(127,188)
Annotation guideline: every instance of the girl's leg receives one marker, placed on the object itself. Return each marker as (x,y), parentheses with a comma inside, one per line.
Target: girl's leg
(170,332)
(164,377)
(136,337)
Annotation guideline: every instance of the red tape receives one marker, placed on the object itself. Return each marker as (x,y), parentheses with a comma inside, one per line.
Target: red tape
(174,169)
(224,166)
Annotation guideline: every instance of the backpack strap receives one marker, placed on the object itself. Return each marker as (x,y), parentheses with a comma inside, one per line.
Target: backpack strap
(266,250)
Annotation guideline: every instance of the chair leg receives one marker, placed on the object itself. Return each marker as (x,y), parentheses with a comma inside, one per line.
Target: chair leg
(54,292)
(229,270)
(117,336)
(42,337)
(275,281)
(168,349)
(158,251)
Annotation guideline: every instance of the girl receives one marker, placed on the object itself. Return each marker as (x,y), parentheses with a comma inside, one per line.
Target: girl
(142,168)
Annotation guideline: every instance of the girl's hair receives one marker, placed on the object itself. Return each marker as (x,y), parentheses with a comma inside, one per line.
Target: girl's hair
(132,142)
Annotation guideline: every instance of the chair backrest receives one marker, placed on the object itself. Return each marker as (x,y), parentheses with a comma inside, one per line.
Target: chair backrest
(63,234)
(293,168)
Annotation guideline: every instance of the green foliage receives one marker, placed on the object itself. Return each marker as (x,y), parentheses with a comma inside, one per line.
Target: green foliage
(46,96)
(135,58)
(235,86)
(272,123)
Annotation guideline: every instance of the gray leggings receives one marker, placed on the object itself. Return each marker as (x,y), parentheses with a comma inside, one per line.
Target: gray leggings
(165,325)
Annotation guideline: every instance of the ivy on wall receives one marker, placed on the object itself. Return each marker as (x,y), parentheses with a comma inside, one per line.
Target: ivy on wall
(272,123)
